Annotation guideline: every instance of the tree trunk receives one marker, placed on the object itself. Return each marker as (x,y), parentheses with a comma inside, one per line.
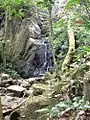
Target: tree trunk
(71,49)
(1,114)
(4,40)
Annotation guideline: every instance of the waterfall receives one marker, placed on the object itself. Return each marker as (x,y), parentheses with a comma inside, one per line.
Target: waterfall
(44,58)
(48,61)
(45,55)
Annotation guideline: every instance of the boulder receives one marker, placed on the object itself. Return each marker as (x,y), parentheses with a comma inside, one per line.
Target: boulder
(38,89)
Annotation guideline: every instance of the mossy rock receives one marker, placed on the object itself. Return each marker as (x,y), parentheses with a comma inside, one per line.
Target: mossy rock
(39,88)
(35,103)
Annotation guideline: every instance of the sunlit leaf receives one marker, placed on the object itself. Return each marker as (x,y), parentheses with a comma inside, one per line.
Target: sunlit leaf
(70,3)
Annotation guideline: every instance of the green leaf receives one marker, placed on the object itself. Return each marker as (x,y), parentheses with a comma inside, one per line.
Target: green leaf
(70,3)
(86,48)
(44,110)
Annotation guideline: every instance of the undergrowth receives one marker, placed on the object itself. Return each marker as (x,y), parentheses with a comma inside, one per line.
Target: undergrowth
(77,103)
(9,69)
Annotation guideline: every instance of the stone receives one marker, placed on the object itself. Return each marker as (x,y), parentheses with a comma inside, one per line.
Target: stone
(17,90)
(83,115)
(19,82)
(34,79)
(25,84)
(4,76)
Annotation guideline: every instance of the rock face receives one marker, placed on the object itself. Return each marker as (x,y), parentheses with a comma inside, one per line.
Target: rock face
(26,47)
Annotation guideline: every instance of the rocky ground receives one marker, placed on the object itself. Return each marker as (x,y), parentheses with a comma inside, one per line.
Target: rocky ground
(27,96)
(15,92)
(22,97)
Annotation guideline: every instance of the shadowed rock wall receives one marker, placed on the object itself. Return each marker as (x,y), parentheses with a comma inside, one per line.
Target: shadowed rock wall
(25,37)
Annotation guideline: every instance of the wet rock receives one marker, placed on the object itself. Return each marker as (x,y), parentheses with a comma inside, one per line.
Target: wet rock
(17,90)
(83,115)
(8,103)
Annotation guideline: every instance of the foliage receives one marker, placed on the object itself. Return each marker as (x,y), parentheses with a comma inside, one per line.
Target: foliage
(82,42)
(9,70)
(60,33)
(80,15)
(14,7)
(80,21)
(70,3)
(59,109)
(64,106)
(44,3)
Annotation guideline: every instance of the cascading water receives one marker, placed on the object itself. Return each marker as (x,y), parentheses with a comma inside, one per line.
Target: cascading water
(48,57)
(45,56)
(44,59)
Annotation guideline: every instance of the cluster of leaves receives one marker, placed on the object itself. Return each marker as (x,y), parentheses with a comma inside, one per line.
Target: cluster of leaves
(14,7)
(64,106)
(60,33)
(44,3)
(80,15)
(83,42)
